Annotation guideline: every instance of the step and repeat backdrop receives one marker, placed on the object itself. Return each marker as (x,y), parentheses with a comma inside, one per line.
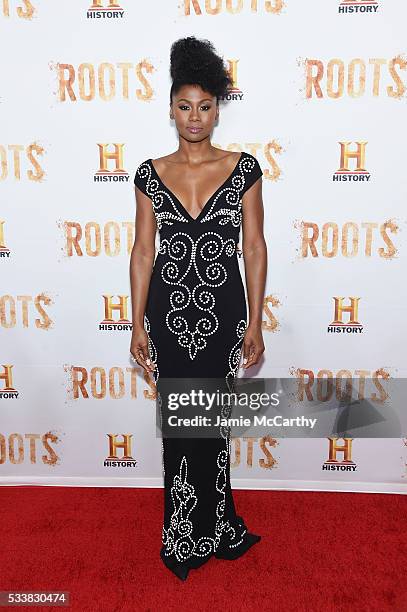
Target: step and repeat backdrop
(319,97)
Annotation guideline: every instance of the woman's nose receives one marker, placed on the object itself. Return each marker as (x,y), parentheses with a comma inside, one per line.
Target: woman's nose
(194,116)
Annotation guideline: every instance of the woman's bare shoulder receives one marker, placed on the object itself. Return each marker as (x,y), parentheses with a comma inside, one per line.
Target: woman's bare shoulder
(160,163)
(232,154)
(228,157)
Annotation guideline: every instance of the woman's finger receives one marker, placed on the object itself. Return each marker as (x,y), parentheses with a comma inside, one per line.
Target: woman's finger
(246,352)
(252,358)
(142,357)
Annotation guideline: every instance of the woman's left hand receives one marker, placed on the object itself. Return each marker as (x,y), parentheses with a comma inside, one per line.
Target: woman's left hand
(253,346)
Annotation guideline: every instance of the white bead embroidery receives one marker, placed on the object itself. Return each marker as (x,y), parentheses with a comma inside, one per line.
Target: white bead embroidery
(231,215)
(234,359)
(151,348)
(158,196)
(233,362)
(183,251)
(233,198)
(156,374)
(177,539)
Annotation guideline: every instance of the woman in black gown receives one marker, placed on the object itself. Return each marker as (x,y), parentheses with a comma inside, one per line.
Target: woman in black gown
(189,307)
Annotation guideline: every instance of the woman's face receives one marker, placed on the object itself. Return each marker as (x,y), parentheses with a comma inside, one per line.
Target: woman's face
(195,112)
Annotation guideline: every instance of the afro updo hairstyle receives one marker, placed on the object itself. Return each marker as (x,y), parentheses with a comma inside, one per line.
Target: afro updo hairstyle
(195,62)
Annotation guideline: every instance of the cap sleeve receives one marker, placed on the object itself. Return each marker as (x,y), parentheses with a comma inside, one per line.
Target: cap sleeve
(142,177)
(252,171)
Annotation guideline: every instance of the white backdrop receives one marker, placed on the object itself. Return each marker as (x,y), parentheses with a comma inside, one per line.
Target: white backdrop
(76,82)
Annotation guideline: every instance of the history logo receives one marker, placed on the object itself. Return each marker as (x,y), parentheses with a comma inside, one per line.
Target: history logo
(7,391)
(366,7)
(4,250)
(104,174)
(345,463)
(119,323)
(124,446)
(355,170)
(105,9)
(352,326)
(234,91)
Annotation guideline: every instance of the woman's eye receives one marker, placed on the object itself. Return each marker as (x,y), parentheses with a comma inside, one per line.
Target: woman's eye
(185,107)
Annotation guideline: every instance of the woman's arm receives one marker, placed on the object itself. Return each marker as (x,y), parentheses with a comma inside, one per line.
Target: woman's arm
(141,266)
(255,263)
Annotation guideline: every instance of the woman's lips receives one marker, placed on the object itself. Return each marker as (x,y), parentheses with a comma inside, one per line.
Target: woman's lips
(194,130)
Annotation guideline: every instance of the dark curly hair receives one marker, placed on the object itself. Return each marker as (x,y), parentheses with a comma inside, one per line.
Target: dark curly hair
(195,62)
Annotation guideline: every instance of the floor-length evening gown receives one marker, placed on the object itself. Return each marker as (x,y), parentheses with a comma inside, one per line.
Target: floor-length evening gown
(195,318)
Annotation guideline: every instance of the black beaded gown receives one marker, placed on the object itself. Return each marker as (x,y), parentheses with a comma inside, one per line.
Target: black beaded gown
(195,318)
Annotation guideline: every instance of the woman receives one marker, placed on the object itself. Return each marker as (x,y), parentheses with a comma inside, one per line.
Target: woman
(188,306)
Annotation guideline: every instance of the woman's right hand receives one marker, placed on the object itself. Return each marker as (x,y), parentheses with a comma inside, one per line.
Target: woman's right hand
(139,349)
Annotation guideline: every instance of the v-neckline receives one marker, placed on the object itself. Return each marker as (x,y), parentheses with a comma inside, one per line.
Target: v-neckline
(178,201)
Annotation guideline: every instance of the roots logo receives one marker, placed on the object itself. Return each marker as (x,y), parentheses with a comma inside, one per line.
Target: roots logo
(359,172)
(22,310)
(106,81)
(7,391)
(119,174)
(4,251)
(29,449)
(337,78)
(232,7)
(346,464)
(125,460)
(244,451)
(23,10)
(353,325)
(115,382)
(93,239)
(358,6)
(105,9)
(123,322)
(351,239)
(13,162)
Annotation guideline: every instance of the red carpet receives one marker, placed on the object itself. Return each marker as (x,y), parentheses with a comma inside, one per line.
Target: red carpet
(329,552)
